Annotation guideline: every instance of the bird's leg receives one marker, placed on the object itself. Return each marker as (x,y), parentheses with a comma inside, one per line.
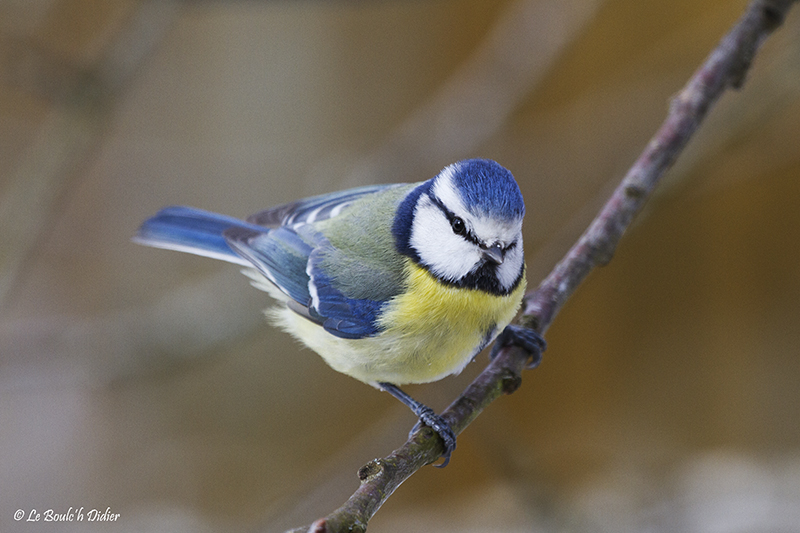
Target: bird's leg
(525,338)
(427,417)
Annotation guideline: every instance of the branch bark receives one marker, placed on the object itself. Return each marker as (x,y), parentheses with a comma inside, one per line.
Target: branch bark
(726,67)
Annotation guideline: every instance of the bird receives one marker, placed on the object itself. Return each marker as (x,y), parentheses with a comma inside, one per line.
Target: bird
(390,284)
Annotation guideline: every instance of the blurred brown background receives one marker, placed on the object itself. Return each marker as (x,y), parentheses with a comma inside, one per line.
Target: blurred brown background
(146,381)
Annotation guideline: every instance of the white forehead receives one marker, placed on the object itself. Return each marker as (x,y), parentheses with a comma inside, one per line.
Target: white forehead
(444,188)
(484,227)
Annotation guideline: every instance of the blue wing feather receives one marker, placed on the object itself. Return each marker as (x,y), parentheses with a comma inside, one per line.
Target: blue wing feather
(312,209)
(281,255)
(349,318)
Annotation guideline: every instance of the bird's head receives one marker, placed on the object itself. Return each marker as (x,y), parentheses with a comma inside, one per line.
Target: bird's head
(465,226)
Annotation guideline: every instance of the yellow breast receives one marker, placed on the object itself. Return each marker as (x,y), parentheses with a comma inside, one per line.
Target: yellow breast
(430,331)
(441,327)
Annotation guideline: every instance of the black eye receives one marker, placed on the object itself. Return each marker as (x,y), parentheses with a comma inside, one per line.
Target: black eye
(458,226)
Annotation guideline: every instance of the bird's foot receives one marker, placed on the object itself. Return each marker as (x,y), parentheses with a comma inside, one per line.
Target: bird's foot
(441,427)
(525,338)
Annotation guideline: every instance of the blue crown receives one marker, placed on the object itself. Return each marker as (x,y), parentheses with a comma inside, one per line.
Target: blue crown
(488,188)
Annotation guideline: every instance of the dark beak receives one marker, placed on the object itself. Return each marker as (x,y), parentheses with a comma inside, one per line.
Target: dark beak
(494,253)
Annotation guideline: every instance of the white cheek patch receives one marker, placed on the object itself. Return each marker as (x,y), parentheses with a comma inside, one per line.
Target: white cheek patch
(508,271)
(446,254)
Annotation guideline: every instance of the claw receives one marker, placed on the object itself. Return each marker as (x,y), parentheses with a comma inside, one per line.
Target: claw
(440,426)
(525,338)
(426,416)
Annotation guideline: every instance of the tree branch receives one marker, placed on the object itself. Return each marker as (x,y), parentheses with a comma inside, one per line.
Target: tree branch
(726,67)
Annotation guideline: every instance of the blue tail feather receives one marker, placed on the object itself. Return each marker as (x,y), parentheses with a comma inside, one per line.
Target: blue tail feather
(192,230)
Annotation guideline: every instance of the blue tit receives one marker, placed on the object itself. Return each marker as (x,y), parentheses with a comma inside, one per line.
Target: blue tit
(390,284)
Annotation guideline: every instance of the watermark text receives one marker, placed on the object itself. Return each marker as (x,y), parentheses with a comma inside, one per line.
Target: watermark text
(73,514)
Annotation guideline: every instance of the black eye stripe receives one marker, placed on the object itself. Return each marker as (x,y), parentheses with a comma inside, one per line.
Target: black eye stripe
(451,217)
(466,234)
